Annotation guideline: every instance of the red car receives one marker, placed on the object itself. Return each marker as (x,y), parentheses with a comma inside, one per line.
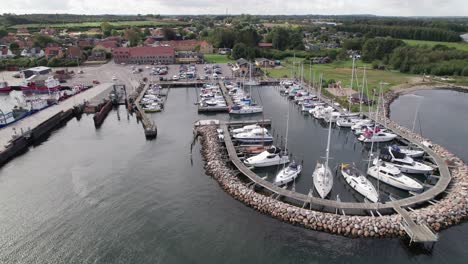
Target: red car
(96,82)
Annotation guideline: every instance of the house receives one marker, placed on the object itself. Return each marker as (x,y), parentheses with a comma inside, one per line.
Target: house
(189,57)
(107,45)
(149,41)
(84,44)
(34,52)
(265,45)
(98,54)
(73,52)
(5,52)
(144,55)
(264,63)
(241,68)
(189,45)
(53,52)
(48,31)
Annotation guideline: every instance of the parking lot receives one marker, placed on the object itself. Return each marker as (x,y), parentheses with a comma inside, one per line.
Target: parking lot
(183,71)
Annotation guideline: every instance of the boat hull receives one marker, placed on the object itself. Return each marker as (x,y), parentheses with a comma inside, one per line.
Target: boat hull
(362,189)
(392,181)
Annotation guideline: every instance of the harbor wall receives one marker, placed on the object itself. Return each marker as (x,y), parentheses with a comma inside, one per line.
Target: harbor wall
(449,210)
(22,143)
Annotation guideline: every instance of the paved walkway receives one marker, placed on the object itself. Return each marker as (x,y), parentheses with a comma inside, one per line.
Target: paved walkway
(39,117)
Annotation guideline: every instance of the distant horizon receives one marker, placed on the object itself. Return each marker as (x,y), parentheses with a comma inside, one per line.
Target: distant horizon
(385,8)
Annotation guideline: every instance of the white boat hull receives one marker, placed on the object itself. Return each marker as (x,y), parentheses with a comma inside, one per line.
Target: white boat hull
(395,182)
(323,180)
(365,189)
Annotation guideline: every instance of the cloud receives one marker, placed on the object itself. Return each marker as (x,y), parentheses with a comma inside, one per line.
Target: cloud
(286,7)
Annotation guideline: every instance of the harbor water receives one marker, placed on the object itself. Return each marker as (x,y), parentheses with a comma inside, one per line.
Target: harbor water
(109,196)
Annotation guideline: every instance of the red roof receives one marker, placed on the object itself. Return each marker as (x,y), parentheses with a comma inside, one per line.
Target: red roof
(108,44)
(48,50)
(74,51)
(265,44)
(149,41)
(145,51)
(176,43)
(84,43)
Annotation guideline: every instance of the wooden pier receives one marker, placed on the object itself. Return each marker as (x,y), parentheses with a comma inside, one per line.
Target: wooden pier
(151,130)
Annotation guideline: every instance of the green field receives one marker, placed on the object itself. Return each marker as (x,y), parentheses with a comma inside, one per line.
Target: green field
(457,45)
(120,24)
(341,71)
(217,58)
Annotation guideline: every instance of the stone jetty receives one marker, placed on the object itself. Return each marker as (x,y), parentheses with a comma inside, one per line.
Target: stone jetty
(450,210)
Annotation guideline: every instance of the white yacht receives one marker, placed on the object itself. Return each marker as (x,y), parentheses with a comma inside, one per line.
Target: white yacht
(376,137)
(347,121)
(322,176)
(288,174)
(245,129)
(258,135)
(271,157)
(391,175)
(358,181)
(245,109)
(404,163)
(410,151)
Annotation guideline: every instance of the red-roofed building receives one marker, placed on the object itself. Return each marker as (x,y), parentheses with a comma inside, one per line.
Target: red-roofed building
(53,52)
(265,45)
(189,45)
(149,41)
(84,44)
(73,52)
(144,55)
(108,45)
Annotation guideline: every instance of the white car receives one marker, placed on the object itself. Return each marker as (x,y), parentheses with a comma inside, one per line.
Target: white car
(175,78)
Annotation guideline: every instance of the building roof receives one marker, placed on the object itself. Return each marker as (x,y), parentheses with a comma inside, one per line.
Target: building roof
(74,51)
(49,49)
(242,61)
(108,44)
(191,42)
(265,45)
(146,51)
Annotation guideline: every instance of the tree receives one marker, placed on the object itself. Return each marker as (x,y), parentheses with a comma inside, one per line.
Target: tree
(106,28)
(14,47)
(3,32)
(43,40)
(134,37)
(239,51)
(147,32)
(169,33)
(114,32)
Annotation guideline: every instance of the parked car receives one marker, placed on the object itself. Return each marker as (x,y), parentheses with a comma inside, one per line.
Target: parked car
(175,78)
(96,82)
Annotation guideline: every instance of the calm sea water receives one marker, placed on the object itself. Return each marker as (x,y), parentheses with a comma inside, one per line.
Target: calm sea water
(110,196)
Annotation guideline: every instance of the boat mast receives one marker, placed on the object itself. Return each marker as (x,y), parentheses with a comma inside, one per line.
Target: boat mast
(328,146)
(361,94)
(310,75)
(352,81)
(320,88)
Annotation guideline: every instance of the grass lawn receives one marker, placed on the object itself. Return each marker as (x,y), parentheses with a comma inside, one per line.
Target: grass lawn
(217,58)
(457,45)
(341,71)
(119,24)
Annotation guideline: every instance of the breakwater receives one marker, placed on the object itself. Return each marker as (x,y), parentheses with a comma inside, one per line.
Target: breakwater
(450,210)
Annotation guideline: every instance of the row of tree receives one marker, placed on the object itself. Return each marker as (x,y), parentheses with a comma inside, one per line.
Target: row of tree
(34,62)
(403,32)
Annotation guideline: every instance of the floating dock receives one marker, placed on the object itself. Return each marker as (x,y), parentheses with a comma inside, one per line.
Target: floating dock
(151,131)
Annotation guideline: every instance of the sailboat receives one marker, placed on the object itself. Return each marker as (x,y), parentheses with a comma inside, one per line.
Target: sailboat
(292,171)
(322,176)
(358,181)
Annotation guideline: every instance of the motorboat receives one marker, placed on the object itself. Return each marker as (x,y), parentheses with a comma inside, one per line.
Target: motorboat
(245,109)
(152,108)
(359,182)
(361,123)
(41,86)
(288,174)
(370,136)
(347,121)
(391,175)
(410,151)
(254,136)
(245,129)
(332,117)
(403,162)
(271,157)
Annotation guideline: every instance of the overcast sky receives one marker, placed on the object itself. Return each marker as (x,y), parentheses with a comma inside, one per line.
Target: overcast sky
(326,7)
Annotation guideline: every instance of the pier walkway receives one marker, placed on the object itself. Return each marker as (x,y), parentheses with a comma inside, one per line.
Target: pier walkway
(148,124)
(418,232)
(36,119)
